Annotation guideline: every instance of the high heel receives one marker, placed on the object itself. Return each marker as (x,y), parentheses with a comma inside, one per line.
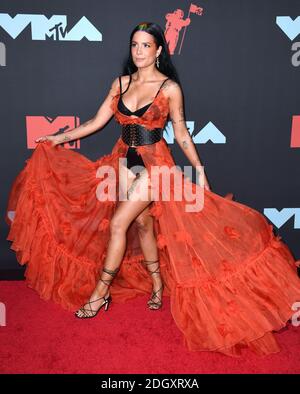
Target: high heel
(88,313)
(154,305)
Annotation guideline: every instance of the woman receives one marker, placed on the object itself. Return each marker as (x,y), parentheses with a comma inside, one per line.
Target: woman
(217,264)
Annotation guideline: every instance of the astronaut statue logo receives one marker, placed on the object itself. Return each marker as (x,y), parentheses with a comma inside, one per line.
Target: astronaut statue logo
(175,23)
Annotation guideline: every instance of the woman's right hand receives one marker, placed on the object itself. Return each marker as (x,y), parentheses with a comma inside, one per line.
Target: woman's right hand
(45,138)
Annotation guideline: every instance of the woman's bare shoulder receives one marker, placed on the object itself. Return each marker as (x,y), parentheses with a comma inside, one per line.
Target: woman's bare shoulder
(116,83)
(125,81)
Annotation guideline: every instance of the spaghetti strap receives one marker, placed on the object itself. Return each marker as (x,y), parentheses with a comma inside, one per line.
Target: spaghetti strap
(121,85)
(161,86)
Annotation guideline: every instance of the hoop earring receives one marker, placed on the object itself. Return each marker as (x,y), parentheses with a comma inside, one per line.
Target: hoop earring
(157,61)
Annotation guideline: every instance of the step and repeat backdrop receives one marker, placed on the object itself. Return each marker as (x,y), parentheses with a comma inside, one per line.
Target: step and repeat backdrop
(239,66)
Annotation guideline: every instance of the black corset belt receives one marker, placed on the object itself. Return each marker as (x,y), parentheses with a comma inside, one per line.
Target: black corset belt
(136,135)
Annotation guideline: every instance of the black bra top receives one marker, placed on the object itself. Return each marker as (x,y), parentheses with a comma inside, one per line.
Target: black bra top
(139,112)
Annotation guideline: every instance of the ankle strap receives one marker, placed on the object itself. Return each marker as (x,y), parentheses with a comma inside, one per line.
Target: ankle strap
(112,273)
(149,262)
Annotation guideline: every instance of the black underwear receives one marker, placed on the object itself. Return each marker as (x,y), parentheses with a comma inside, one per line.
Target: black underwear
(133,159)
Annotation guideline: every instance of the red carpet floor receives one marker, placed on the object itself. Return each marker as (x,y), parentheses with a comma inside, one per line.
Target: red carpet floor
(40,337)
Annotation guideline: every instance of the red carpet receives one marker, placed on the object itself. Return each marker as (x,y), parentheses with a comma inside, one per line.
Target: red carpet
(40,337)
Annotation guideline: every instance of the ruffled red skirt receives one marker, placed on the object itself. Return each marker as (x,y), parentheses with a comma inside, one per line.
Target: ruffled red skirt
(230,280)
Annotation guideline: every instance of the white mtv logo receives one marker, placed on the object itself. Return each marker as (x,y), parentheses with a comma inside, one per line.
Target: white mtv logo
(208,133)
(289,26)
(279,218)
(54,28)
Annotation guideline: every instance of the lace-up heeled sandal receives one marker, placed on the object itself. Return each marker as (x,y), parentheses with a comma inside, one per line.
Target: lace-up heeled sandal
(152,303)
(86,310)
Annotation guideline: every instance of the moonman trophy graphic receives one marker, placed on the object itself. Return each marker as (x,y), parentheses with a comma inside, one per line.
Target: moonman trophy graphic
(175,23)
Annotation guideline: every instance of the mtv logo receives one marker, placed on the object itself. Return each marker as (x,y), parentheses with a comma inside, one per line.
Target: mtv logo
(279,218)
(289,26)
(208,133)
(295,134)
(38,126)
(54,27)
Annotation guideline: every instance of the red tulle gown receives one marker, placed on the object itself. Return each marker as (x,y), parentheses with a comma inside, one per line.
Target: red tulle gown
(231,281)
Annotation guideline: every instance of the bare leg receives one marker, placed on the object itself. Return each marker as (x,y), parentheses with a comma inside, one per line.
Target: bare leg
(125,213)
(150,252)
(148,245)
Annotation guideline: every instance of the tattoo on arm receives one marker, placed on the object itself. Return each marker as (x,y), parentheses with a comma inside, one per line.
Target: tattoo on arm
(181,119)
(66,138)
(176,121)
(185,144)
(68,135)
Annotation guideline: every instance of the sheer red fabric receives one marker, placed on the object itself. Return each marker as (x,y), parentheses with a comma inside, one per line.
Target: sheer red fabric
(230,280)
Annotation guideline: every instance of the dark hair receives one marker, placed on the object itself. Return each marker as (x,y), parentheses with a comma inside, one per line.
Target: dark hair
(165,63)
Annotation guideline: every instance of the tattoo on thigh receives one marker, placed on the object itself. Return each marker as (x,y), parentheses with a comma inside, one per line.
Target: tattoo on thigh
(135,183)
(133,186)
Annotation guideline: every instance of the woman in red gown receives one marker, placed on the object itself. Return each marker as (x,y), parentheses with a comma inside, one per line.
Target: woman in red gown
(230,280)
